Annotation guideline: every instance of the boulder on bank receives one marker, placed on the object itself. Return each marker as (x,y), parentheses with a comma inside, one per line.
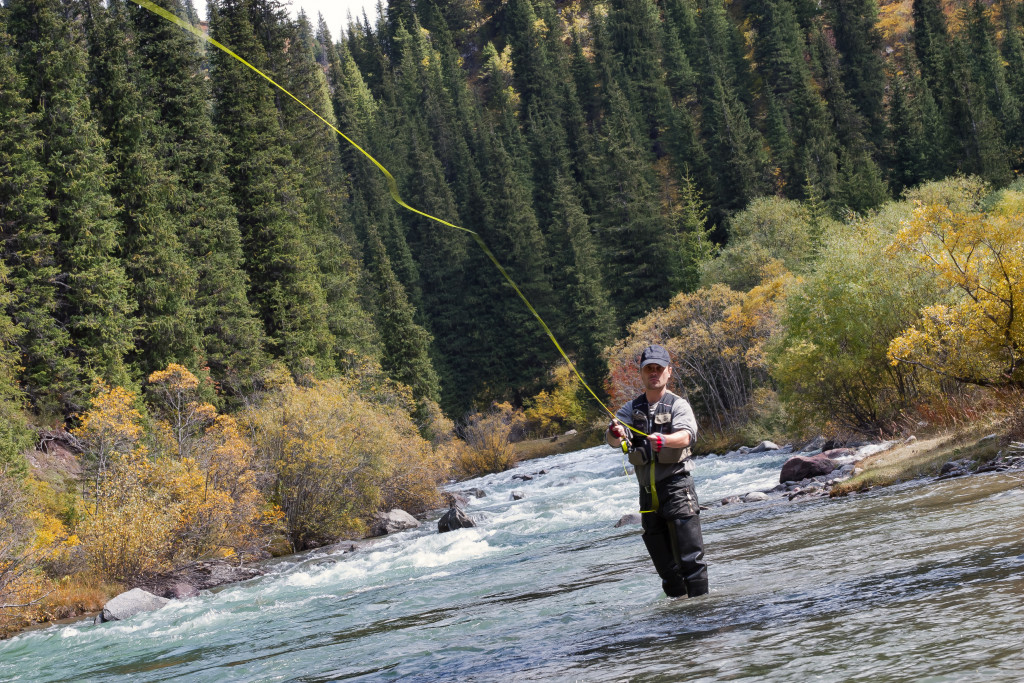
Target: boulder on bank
(454,519)
(765,446)
(187,581)
(814,444)
(390,522)
(801,467)
(129,604)
(628,519)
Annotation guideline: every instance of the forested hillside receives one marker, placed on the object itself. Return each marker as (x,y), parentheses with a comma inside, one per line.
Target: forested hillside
(164,204)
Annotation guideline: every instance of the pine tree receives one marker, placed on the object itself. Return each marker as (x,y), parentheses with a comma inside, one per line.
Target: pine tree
(780,49)
(286,286)
(173,80)
(984,150)
(590,318)
(860,186)
(632,229)
(29,248)
(94,306)
(988,72)
(933,49)
(1012,47)
(315,148)
(406,344)
(853,24)
(692,238)
(163,280)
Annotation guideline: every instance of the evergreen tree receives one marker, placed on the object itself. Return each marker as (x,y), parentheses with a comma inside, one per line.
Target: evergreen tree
(315,148)
(29,248)
(406,344)
(933,49)
(173,79)
(988,72)
(853,24)
(94,306)
(983,146)
(632,229)
(1012,47)
(286,287)
(163,280)
(590,318)
(916,152)
(691,237)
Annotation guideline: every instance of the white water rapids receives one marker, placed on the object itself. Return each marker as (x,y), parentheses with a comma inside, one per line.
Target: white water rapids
(921,581)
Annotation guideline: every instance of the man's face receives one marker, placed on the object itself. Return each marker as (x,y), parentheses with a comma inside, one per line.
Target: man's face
(655,376)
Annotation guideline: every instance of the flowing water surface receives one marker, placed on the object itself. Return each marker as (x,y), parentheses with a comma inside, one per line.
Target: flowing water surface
(920,582)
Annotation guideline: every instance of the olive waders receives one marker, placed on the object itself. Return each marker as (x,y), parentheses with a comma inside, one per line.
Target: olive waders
(670,513)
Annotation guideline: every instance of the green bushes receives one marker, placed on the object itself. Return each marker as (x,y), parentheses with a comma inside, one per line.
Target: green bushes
(829,356)
(770,231)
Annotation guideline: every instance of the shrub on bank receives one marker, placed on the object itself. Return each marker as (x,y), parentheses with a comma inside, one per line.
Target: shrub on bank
(829,356)
(337,456)
(717,338)
(489,441)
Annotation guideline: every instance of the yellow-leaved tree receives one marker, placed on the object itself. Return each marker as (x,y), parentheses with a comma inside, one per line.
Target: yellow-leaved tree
(337,456)
(976,335)
(156,509)
(560,409)
(717,338)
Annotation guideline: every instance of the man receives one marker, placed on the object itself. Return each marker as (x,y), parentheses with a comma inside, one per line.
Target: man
(668,498)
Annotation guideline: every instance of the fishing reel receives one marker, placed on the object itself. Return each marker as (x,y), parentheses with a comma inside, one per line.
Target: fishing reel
(639,444)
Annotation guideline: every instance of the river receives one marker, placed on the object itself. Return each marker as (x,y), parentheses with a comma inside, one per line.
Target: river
(918,582)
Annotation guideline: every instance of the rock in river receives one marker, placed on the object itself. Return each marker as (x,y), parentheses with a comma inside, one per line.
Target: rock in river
(801,467)
(128,604)
(628,519)
(454,519)
(390,522)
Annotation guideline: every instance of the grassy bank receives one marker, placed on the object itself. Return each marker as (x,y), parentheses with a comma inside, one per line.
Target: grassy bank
(563,443)
(924,457)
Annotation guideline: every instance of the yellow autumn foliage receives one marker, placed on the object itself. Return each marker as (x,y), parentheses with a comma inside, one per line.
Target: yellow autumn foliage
(975,335)
(717,339)
(175,391)
(489,441)
(337,457)
(560,409)
(153,511)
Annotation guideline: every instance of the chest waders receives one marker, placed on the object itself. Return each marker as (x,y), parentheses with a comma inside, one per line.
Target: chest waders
(671,522)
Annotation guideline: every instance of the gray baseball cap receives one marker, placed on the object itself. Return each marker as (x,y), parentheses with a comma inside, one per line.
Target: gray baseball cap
(655,354)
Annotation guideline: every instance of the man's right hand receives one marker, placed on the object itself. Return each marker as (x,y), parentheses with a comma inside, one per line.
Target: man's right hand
(616,430)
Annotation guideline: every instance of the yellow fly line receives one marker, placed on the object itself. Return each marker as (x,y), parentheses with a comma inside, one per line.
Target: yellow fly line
(392,185)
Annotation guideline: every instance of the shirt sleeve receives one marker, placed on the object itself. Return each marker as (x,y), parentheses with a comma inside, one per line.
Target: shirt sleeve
(683,418)
(625,414)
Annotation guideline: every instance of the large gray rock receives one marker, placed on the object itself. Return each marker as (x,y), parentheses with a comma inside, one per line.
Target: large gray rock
(628,519)
(814,444)
(131,603)
(454,519)
(765,446)
(390,522)
(801,467)
(755,496)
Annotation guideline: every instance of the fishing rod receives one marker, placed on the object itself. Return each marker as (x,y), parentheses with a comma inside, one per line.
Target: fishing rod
(393,191)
